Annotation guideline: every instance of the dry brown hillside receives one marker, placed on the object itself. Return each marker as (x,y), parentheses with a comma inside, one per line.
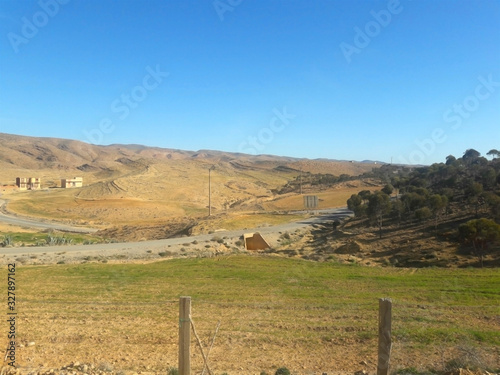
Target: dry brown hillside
(143,186)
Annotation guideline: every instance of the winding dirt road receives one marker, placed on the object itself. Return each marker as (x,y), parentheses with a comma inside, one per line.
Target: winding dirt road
(38,223)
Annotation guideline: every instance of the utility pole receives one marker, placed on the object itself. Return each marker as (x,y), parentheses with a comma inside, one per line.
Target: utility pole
(210,191)
(301,182)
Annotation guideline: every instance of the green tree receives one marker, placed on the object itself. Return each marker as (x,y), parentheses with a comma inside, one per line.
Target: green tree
(397,210)
(493,153)
(355,204)
(480,233)
(437,204)
(388,189)
(422,214)
(471,154)
(413,201)
(365,195)
(379,205)
(493,202)
(473,192)
(450,160)
(488,177)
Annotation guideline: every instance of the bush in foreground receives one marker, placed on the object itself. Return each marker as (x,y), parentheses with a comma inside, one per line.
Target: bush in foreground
(282,371)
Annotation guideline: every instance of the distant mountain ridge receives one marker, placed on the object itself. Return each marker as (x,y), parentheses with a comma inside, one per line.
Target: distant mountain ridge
(57,156)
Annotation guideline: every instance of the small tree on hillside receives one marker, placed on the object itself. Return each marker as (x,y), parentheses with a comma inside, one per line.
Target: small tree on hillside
(493,202)
(480,233)
(388,189)
(470,155)
(413,201)
(355,204)
(365,195)
(473,192)
(493,153)
(379,205)
(397,210)
(437,204)
(450,160)
(422,214)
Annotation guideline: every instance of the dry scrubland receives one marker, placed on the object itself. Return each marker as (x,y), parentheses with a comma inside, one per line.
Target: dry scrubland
(145,188)
(310,317)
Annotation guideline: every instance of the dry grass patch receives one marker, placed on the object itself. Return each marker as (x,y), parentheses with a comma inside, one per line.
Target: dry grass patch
(335,197)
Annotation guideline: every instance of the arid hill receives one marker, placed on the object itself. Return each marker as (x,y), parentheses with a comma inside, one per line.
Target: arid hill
(58,157)
(138,185)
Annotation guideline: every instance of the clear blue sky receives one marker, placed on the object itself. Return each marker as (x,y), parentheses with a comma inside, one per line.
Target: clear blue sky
(341,79)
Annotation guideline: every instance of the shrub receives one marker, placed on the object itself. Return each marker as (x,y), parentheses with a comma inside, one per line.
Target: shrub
(282,371)
(217,239)
(467,357)
(285,239)
(412,371)
(172,371)
(56,240)
(7,241)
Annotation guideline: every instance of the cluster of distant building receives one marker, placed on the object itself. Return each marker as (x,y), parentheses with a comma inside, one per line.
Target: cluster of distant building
(35,183)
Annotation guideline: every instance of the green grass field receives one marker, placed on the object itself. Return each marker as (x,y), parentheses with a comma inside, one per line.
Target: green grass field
(299,306)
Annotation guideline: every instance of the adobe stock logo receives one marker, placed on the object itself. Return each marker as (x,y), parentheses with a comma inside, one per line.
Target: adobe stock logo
(223,6)
(30,26)
(127,101)
(471,103)
(371,30)
(256,144)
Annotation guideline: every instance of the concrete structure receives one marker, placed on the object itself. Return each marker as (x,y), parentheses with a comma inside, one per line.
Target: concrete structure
(28,183)
(22,183)
(35,183)
(72,182)
(254,241)
(311,201)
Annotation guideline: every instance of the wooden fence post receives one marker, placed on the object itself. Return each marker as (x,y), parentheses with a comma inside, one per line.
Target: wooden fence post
(184,336)
(384,336)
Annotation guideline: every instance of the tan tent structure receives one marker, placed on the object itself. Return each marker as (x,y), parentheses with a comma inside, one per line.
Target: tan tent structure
(254,241)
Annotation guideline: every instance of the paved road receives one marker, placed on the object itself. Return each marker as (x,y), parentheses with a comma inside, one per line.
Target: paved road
(32,223)
(131,248)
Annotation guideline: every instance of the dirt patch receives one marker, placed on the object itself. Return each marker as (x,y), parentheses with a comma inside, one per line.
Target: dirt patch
(133,233)
(415,246)
(351,247)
